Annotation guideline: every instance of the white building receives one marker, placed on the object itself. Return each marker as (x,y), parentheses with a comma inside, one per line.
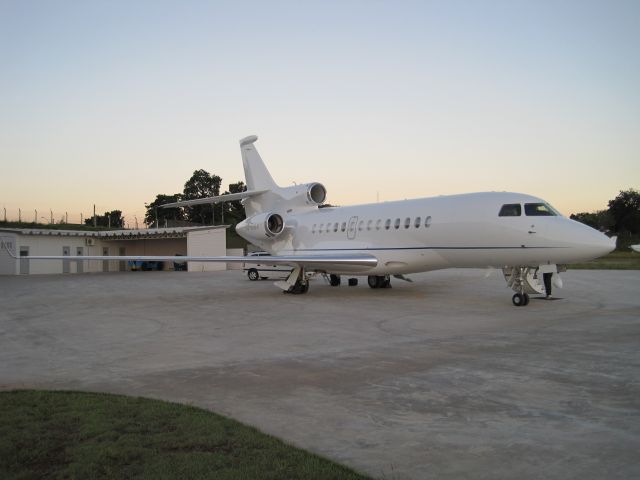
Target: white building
(200,241)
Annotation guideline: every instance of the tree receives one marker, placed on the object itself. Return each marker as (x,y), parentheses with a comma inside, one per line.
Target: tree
(625,210)
(234,211)
(163,214)
(111,219)
(201,185)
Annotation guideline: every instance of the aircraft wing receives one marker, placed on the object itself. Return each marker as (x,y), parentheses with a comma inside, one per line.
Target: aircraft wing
(229,197)
(350,262)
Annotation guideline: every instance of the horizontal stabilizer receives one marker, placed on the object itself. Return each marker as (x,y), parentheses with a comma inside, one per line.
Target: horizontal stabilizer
(229,197)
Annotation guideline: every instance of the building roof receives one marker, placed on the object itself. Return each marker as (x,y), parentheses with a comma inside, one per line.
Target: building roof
(148,233)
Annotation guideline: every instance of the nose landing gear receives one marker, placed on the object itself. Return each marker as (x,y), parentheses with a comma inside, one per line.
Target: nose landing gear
(523,281)
(520,299)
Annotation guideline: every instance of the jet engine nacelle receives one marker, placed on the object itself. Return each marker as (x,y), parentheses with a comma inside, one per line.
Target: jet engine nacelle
(262,226)
(307,194)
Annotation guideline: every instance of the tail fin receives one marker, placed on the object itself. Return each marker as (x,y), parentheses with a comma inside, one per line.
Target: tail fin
(255,172)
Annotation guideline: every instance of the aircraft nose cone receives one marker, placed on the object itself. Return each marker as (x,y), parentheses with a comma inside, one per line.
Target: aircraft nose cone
(599,244)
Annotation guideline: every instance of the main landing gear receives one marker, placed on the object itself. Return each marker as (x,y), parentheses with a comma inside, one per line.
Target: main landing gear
(297,282)
(379,281)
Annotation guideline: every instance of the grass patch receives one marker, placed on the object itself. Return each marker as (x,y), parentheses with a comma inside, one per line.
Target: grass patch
(617,260)
(88,435)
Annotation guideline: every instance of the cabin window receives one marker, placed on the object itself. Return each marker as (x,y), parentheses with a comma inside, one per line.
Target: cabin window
(335,227)
(427,221)
(418,222)
(539,210)
(369,223)
(378,223)
(387,224)
(343,227)
(396,224)
(313,229)
(320,228)
(360,225)
(510,210)
(407,222)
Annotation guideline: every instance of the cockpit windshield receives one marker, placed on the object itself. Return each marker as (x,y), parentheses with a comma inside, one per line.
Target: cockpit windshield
(510,210)
(540,210)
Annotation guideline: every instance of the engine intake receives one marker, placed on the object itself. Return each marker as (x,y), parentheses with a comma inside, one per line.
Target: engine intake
(273,225)
(316,193)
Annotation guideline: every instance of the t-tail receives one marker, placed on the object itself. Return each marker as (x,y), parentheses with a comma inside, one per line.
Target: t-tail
(266,205)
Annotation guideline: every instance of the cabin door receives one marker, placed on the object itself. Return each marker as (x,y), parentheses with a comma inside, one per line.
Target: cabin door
(352,228)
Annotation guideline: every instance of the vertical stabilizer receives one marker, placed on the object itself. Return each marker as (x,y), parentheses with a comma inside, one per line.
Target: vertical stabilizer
(255,172)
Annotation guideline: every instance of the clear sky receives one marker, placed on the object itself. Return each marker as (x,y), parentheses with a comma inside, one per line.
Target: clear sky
(113,102)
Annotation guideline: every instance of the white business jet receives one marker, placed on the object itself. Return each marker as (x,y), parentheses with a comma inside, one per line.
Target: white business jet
(520,234)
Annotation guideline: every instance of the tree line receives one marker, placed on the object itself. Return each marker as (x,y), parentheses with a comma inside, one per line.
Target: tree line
(202,184)
(621,218)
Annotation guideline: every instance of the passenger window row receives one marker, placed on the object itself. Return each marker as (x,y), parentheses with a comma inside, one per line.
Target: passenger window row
(370,225)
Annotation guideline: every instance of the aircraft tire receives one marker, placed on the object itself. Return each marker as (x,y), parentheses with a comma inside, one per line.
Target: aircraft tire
(518,300)
(374,281)
(526,299)
(334,280)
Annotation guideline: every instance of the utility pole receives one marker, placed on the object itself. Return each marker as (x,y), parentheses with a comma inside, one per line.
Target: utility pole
(95,220)
(36,217)
(66,217)
(81,219)
(5,214)
(20,215)
(136,219)
(51,212)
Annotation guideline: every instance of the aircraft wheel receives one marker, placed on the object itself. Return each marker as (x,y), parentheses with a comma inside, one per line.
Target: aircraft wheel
(518,300)
(334,280)
(526,299)
(373,281)
(253,274)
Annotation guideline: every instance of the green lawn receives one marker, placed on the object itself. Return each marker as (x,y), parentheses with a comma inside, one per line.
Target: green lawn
(46,434)
(618,260)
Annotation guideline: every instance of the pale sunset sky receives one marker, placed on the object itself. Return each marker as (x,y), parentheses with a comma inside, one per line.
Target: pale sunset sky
(113,102)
